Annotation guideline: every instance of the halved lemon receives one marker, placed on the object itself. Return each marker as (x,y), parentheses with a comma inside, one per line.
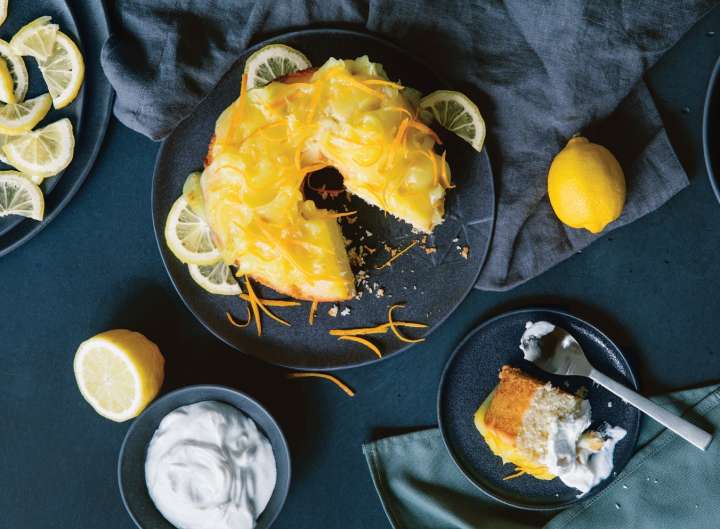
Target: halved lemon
(36,39)
(216,278)
(63,71)
(188,236)
(16,67)
(118,373)
(273,61)
(456,113)
(22,117)
(43,152)
(19,196)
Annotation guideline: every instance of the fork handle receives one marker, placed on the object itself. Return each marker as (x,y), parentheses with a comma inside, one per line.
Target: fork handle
(680,426)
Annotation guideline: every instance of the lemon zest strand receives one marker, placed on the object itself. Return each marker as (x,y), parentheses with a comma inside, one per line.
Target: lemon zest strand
(424,128)
(331,378)
(253,305)
(367,343)
(443,172)
(401,252)
(235,323)
(272,302)
(382,82)
(393,326)
(515,475)
(378,329)
(313,310)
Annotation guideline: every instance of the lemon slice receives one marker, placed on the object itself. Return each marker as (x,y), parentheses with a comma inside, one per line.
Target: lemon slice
(192,191)
(118,373)
(43,152)
(22,117)
(456,113)
(188,236)
(63,71)
(271,62)
(19,196)
(7,87)
(36,39)
(3,11)
(18,72)
(216,279)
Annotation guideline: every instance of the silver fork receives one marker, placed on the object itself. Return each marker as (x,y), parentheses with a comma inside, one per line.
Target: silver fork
(555,350)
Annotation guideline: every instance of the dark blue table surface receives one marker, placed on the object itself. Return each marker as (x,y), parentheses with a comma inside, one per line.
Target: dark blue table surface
(652,286)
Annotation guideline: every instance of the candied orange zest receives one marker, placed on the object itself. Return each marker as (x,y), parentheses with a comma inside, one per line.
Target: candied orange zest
(234,323)
(339,383)
(515,475)
(367,343)
(338,215)
(313,311)
(360,86)
(254,305)
(382,82)
(397,140)
(401,252)
(393,327)
(378,329)
(272,302)
(257,303)
(400,109)
(443,172)
(331,192)
(263,128)
(424,128)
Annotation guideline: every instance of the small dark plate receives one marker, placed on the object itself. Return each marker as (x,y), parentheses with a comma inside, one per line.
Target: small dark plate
(131,461)
(431,285)
(711,129)
(472,373)
(89,113)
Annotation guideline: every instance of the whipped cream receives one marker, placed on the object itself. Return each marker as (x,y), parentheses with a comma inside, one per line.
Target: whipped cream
(209,467)
(530,340)
(568,454)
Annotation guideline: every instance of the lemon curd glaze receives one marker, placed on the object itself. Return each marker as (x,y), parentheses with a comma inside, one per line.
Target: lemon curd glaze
(346,115)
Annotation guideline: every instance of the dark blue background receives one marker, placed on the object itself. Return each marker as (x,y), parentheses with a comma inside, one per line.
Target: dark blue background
(652,286)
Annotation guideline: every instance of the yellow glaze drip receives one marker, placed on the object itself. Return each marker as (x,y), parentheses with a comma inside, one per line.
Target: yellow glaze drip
(347,115)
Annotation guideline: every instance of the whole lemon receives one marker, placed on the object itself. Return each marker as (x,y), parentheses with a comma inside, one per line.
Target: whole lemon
(586,185)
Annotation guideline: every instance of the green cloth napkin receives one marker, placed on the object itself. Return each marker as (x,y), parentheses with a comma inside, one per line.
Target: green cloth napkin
(667,484)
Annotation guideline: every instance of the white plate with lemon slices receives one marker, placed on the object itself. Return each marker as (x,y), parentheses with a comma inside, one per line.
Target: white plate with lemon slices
(429,284)
(54,109)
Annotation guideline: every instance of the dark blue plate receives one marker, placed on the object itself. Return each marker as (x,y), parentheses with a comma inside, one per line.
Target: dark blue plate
(432,285)
(711,129)
(472,373)
(89,113)
(131,461)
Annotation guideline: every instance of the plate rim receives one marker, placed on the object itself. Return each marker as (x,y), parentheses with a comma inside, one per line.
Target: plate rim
(712,94)
(99,141)
(220,389)
(441,390)
(159,230)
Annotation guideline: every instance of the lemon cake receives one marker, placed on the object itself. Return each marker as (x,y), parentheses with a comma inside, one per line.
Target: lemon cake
(543,431)
(346,115)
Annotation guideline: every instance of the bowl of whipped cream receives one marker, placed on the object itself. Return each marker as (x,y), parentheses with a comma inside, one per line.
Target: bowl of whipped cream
(204,457)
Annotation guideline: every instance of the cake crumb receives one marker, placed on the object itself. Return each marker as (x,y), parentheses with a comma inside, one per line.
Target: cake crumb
(379,292)
(430,249)
(465,251)
(333,311)
(345,311)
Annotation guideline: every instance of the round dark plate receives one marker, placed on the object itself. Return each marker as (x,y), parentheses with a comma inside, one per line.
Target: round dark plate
(131,461)
(432,285)
(711,129)
(89,113)
(472,373)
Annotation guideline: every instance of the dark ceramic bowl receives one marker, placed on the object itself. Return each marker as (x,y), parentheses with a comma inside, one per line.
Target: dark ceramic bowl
(131,462)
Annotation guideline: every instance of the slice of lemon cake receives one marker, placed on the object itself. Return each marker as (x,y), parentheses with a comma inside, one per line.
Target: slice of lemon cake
(347,115)
(543,431)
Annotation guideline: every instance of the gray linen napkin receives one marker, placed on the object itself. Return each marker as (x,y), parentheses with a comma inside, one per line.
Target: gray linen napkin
(540,72)
(668,484)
